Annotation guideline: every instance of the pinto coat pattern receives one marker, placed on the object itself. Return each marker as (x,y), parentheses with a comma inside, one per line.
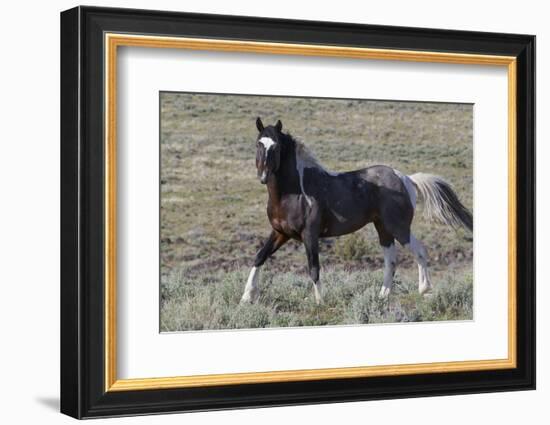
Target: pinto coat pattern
(307,202)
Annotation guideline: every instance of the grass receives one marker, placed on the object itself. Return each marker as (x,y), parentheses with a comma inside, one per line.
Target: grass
(213,216)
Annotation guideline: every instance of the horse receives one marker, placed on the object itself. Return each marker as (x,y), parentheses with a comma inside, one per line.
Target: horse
(307,202)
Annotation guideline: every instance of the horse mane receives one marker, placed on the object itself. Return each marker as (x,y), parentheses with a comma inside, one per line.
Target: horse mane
(305,156)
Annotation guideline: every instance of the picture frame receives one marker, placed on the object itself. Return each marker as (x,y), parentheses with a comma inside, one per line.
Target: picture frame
(90,40)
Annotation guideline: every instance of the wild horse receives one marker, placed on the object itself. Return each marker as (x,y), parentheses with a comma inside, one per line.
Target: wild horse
(307,202)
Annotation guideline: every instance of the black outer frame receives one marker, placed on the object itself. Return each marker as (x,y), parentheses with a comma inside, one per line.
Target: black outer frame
(82,218)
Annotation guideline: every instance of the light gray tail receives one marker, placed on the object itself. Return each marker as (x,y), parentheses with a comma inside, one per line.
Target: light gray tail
(441,203)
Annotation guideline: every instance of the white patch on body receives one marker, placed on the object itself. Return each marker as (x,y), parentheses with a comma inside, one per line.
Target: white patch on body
(305,159)
(300,167)
(416,247)
(390,259)
(339,217)
(409,185)
(251,290)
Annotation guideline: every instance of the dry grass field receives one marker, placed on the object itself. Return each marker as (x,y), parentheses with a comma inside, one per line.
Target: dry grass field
(213,217)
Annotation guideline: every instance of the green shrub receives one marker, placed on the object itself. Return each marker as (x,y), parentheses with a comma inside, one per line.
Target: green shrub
(352,247)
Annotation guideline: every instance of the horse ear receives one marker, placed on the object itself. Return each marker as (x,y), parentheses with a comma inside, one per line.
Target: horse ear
(279,126)
(259,124)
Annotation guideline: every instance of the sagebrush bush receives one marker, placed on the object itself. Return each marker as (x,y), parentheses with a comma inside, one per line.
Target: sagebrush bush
(250,316)
(286,299)
(351,247)
(367,307)
(452,299)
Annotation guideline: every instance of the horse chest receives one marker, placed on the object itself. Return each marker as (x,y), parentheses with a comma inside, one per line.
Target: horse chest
(285,219)
(281,225)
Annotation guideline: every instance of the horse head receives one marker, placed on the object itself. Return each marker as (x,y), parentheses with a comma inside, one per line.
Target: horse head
(269,144)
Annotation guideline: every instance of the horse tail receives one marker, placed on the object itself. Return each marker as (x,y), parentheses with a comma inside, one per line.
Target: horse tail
(441,202)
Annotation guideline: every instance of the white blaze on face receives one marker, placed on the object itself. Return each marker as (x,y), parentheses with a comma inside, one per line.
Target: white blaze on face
(267,142)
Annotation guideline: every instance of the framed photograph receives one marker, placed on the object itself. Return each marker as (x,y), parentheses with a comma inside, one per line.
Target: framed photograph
(261,212)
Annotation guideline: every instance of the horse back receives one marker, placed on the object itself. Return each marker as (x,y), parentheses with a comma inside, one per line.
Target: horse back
(350,200)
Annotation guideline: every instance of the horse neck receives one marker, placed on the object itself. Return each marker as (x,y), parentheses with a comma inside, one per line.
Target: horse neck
(286,180)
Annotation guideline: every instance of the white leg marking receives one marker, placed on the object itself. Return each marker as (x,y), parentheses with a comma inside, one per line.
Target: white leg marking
(390,259)
(251,290)
(317,291)
(424,282)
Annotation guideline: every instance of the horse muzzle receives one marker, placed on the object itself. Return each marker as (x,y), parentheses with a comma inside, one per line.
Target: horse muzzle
(263,177)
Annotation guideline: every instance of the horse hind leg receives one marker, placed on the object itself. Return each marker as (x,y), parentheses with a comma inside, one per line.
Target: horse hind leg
(421,256)
(390,258)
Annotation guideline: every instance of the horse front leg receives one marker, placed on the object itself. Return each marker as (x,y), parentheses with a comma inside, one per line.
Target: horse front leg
(311,242)
(251,289)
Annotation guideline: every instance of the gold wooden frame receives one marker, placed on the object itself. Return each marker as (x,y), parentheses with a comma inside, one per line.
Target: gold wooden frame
(113,41)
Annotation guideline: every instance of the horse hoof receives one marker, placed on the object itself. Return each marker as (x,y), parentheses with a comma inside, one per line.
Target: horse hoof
(246,299)
(249,297)
(424,290)
(384,292)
